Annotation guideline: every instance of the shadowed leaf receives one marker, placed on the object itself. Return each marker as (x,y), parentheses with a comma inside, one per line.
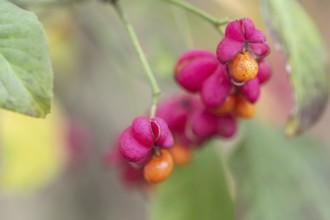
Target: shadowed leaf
(278,178)
(298,38)
(194,192)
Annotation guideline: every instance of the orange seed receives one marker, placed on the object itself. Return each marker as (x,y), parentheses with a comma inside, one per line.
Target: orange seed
(180,154)
(244,109)
(243,67)
(159,167)
(227,107)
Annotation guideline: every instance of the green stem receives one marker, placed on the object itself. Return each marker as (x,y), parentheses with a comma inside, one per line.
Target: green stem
(217,23)
(138,49)
(37,3)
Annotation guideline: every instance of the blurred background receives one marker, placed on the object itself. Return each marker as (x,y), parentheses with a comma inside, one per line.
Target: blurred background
(55,170)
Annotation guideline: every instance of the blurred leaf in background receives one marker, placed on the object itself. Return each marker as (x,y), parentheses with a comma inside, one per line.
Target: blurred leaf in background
(26,80)
(162,59)
(296,35)
(32,151)
(278,178)
(197,191)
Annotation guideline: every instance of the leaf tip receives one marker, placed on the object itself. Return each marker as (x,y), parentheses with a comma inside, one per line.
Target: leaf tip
(292,127)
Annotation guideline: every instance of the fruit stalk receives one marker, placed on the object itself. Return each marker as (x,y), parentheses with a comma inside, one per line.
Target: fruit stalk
(143,60)
(217,23)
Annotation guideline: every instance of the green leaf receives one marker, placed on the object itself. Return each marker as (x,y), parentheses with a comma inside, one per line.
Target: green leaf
(294,33)
(278,178)
(195,192)
(25,68)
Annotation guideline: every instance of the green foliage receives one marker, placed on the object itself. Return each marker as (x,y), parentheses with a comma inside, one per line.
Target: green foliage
(300,41)
(278,178)
(25,68)
(194,192)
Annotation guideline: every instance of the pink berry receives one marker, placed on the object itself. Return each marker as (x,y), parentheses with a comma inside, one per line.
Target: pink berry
(204,124)
(251,90)
(264,72)
(176,110)
(130,148)
(193,54)
(140,163)
(78,142)
(242,35)
(193,68)
(131,175)
(162,134)
(174,115)
(142,131)
(216,88)
(227,126)
(112,156)
(130,172)
(137,140)
(189,139)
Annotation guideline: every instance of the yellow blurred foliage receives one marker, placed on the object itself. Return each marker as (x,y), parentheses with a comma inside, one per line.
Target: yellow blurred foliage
(32,151)
(60,30)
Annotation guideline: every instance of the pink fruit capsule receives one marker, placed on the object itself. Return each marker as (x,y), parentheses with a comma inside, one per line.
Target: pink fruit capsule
(174,115)
(216,88)
(204,124)
(137,140)
(176,110)
(142,131)
(264,72)
(227,126)
(130,148)
(131,175)
(242,35)
(193,68)
(162,134)
(251,90)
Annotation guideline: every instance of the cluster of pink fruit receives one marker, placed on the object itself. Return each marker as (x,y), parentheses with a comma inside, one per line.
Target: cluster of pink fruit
(228,84)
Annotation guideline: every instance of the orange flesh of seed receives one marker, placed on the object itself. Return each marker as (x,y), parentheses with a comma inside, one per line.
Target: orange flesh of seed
(159,167)
(243,67)
(227,107)
(181,154)
(244,109)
